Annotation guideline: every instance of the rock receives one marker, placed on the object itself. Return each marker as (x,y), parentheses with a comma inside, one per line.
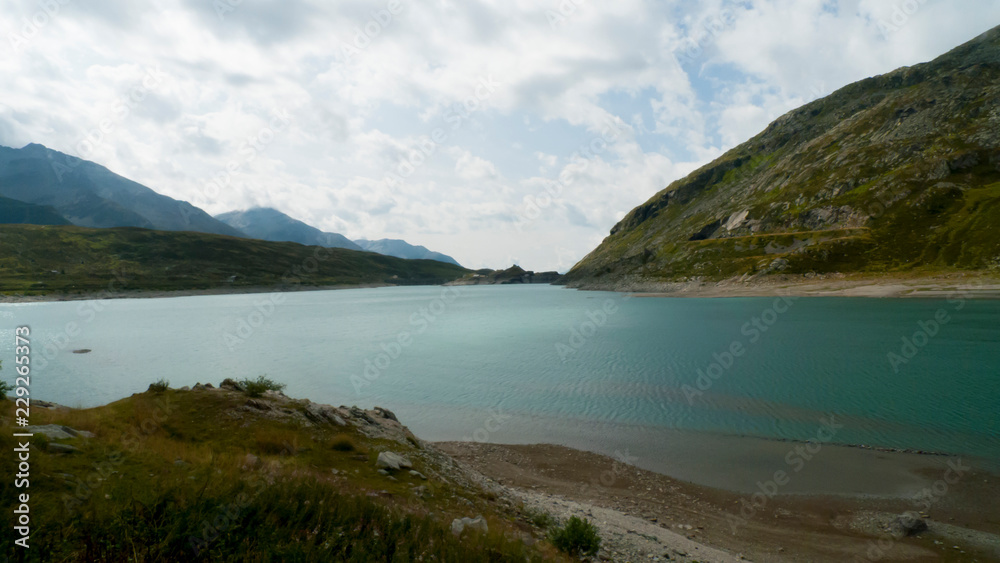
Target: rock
(56,432)
(334,471)
(421,491)
(908,524)
(418,474)
(209,386)
(392,461)
(386,413)
(459,525)
(57,448)
(185,388)
(198,387)
(231,385)
(82,351)
(258,404)
(358,413)
(321,414)
(383,472)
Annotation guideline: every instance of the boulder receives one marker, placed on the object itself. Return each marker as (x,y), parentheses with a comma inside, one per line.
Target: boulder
(418,474)
(57,448)
(386,413)
(459,525)
(908,524)
(56,432)
(321,414)
(230,384)
(392,461)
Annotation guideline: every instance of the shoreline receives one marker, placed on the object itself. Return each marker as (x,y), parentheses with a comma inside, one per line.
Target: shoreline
(636,507)
(971,285)
(967,285)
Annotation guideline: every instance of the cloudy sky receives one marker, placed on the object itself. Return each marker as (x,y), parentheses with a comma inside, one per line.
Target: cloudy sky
(496,131)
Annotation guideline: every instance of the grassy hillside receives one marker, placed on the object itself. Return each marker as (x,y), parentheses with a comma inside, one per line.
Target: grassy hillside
(897,174)
(66,259)
(13,211)
(213,475)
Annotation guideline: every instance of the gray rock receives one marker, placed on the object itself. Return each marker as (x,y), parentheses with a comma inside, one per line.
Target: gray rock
(421,491)
(383,472)
(57,448)
(459,525)
(392,461)
(385,413)
(418,474)
(56,432)
(908,524)
(324,414)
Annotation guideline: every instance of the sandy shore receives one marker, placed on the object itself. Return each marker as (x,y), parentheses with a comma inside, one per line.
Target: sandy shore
(645,515)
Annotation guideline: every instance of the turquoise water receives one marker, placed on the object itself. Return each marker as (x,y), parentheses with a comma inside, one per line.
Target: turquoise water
(502,363)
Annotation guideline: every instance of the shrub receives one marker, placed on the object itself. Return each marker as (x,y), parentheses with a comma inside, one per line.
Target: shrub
(159,386)
(577,537)
(256,387)
(540,519)
(342,443)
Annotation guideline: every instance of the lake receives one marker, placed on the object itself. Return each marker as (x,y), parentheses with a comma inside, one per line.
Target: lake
(669,382)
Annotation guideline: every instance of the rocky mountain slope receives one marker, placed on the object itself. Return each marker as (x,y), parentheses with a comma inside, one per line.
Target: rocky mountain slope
(403,249)
(897,174)
(90,195)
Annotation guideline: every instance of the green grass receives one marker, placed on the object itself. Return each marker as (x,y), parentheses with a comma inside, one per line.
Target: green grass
(37,260)
(257,387)
(166,479)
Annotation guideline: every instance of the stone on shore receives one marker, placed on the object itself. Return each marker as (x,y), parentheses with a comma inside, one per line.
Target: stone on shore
(392,461)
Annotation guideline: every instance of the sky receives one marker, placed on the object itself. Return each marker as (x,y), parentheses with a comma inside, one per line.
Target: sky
(496,131)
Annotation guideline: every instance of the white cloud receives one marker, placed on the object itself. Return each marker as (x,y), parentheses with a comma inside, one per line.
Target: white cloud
(530,95)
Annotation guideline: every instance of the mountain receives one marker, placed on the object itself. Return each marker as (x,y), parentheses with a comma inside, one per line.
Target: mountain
(14,211)
(69,259)
(266,223)
(403,249)
(896,174)
(90,195)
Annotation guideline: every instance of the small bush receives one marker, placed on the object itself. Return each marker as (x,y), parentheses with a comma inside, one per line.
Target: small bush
(578,537)
(541,519)
(256,387)
(4,388)
(342,443)
(159,386)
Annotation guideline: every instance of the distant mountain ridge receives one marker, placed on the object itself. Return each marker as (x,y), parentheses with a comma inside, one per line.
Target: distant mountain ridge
(267,223)
(893,175)
(403,249)
(89,195)
(13,211)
